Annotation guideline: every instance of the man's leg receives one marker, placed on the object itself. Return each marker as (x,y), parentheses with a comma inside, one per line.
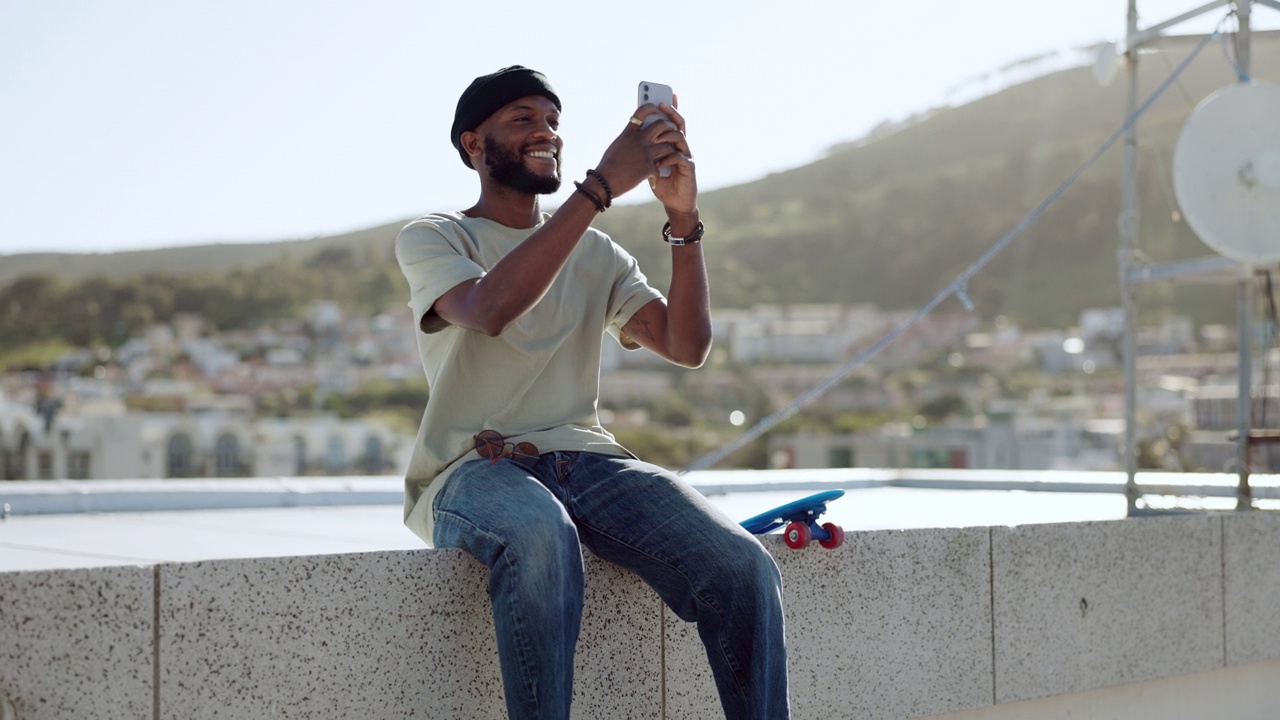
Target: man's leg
(507,519)
(703,565)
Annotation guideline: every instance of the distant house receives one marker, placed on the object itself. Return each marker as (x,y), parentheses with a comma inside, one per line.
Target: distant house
(999,440)
(210,443)
(1212,445)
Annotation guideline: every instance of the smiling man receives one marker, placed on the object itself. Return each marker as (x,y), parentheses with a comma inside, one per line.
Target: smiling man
(512,463)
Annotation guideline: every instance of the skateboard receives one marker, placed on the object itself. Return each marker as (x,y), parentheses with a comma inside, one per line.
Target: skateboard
(801,520)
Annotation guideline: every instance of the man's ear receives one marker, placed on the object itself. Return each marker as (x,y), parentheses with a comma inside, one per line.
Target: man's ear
(473,146)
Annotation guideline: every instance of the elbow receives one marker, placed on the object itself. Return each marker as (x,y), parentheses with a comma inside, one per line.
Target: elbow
(692,363)
(491,322)
(492,327)
(694,356)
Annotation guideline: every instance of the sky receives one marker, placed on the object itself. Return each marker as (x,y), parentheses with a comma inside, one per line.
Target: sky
(136,124)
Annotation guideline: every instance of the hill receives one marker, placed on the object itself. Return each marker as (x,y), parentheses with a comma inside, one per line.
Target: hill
(890,219)
(183,260)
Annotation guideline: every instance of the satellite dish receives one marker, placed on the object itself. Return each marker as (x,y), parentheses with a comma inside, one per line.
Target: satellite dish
(1226,172)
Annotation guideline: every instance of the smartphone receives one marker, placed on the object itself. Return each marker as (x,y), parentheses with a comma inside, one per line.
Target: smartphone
(655,93)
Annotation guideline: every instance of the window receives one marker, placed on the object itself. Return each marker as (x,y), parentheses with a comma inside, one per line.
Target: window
(78,466)
(180,457)
(226,456)
(45,462)
(373,462)
(299,455)
(930,458)
(840,457)
(12,466)
(15,461)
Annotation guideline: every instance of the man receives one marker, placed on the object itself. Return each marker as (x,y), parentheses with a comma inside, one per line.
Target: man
(511,462)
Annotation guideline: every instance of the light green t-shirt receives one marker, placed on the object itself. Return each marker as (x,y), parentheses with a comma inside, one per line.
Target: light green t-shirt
(539,380)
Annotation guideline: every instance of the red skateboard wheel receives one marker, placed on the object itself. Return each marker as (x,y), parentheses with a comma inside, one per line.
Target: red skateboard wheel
(836,539)
(798,535)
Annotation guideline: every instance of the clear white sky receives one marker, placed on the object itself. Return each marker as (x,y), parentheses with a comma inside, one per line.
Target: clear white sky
(129,123)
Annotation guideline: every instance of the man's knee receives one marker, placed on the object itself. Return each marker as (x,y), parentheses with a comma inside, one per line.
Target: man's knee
(745,572)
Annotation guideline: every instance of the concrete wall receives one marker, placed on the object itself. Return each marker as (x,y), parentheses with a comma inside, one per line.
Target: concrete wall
(1083,620)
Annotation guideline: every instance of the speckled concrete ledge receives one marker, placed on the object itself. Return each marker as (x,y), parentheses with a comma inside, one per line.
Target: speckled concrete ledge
(77,643)
(1251,583)
(382,635)
(894,624)
(1087,605)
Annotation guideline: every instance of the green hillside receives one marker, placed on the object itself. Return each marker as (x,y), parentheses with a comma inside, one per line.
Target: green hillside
(893,220)
(890,219)
(186,260)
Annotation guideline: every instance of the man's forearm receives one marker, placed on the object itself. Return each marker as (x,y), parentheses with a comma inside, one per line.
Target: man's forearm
(520,279)
(688,301)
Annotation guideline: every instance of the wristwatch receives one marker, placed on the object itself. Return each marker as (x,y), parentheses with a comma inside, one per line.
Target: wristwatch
(693,237)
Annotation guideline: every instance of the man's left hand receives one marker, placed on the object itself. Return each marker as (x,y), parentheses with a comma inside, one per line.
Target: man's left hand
(678,192)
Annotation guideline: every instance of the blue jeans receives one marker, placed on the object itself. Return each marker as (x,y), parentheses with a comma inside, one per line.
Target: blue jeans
(527,519)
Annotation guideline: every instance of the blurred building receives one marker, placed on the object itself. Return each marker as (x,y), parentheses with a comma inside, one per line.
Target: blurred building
(111,443)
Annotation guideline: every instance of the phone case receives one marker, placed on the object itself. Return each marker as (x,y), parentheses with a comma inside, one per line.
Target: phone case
(655,93)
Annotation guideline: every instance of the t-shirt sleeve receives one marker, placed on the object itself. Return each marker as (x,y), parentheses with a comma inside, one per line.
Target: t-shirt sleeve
(433,257)
(631,291)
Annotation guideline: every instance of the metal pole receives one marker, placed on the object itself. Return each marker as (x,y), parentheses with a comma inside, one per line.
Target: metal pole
(1243,59)
(1244,401)
(1244,310)
(1128,244)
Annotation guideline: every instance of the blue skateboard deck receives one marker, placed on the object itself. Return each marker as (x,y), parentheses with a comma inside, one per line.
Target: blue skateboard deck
(801,520)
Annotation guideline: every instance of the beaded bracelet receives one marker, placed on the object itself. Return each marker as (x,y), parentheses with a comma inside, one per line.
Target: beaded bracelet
(608,191)
(595,199)
(694,237)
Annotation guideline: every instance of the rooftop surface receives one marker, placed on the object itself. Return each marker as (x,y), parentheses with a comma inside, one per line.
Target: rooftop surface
(60,524)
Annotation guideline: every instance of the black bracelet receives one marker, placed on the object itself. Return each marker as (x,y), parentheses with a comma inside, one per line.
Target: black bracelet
(694,237)
(608,191)
(595,199)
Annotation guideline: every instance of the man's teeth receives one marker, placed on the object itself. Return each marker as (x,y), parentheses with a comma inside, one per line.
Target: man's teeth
(542,154)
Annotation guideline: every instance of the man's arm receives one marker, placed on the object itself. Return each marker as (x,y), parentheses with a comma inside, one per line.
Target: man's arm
(489,304)
(680,328)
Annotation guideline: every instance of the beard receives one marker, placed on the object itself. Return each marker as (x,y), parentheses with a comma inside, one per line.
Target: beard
(506,166)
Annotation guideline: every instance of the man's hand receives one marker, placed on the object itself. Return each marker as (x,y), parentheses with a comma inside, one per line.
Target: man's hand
(678,192)
(638,152)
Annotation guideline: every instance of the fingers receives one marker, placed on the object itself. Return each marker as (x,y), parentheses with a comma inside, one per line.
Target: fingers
(647,116)
(665,134)
(675,116)
(676,140)
(659,143)
(670,148)
(677,191)
(674,160)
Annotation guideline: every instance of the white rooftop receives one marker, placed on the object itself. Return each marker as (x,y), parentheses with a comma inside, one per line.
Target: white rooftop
(61,524)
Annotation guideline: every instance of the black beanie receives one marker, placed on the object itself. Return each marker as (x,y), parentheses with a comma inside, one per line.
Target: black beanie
(488,93)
